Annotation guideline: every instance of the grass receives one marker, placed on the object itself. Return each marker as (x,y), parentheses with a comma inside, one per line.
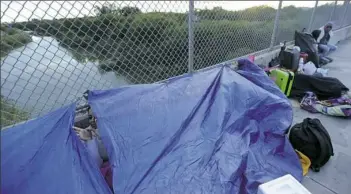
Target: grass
(10,113)
(12,38)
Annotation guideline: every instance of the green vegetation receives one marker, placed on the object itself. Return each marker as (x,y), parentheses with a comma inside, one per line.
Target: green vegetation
(148,47)
(12,38)
(10,114)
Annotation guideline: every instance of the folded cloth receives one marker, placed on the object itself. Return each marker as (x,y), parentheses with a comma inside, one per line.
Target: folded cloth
(333,107)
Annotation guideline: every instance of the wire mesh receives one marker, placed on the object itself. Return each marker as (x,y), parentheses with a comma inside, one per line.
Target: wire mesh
(346,21)
(338,14)
(53,51)
(222,33)
(348,16)
(322,14)
(292,18)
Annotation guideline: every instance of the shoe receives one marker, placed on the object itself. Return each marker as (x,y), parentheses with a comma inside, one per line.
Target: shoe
(330,59)
(323,61)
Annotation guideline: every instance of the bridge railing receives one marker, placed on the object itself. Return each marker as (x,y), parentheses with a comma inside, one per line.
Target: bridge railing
(53,51)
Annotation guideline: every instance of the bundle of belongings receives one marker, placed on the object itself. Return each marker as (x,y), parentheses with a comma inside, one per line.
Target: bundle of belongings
(219,130)
(324,95)
(335,107)
(292,61)
(298,75)
(323,87)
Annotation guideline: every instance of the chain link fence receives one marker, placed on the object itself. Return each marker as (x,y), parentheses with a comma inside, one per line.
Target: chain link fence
(322,14)
(221,35)
(342,15)
(53,51)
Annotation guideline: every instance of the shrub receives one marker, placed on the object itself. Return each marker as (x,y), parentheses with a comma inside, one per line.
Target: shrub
(148,47)
(12,39)
(10,114)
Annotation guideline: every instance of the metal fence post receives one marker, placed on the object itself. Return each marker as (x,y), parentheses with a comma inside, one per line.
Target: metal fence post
(191,36)
(333,11)
(276,25)
(346,4)
(312,16)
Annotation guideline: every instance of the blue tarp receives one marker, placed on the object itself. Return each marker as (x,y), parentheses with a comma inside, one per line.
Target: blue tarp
(216,131)
(45,156)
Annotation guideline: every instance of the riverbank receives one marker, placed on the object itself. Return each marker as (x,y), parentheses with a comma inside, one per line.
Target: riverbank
(10,113)
(12,38)
(43,76)
(147,47)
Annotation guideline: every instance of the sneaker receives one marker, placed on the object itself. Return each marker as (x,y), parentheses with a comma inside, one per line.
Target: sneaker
(323,61)
(330,59)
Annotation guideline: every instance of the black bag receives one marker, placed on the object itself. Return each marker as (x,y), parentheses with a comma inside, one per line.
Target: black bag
(274,62)
(289,59)
(307,44)
(313,140)
(323,87)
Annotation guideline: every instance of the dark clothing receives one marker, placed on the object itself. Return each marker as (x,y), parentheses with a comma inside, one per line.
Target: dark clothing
(315,34)
(323,87)
(325,38)
(307,44)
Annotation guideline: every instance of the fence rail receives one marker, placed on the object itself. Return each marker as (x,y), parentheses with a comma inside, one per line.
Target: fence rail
(53,51)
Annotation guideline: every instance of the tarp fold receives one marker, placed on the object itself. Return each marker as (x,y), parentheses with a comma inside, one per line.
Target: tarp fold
(46,156)
(216,131)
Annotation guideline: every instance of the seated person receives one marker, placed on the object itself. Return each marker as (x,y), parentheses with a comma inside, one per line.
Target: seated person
(322,37)
(91,139)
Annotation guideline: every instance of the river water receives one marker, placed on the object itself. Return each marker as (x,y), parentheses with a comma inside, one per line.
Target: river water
(42,76)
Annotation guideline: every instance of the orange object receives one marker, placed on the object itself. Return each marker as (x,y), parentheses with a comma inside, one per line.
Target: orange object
(305,162)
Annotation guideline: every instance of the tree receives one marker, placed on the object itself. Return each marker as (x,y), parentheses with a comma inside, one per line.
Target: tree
(108,8)
(126,11)
(105,9)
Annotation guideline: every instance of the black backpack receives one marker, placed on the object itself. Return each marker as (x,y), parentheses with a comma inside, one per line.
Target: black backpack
(313,140)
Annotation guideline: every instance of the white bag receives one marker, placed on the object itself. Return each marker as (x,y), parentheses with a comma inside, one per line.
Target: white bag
(324,72)
(309,68)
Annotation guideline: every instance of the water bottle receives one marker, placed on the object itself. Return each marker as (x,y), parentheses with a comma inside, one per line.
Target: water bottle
(300,65)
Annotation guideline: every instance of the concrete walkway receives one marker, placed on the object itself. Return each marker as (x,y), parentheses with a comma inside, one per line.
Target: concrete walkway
(335,176)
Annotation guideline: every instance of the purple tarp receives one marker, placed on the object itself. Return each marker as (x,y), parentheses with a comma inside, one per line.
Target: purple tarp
(216,131)
(45,156)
